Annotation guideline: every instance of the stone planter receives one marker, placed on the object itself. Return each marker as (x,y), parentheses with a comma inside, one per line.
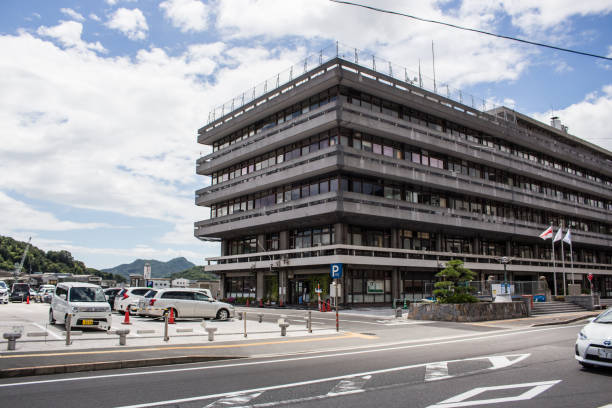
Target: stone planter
(467,312)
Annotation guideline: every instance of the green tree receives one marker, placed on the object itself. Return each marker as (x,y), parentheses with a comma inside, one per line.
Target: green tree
(454,287)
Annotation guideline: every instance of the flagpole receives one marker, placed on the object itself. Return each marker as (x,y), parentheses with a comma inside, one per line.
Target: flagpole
(572,260)
(563,267)
(552,242)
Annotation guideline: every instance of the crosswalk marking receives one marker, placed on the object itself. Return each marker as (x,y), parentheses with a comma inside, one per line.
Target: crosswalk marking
(436,371)
(349,386)
(234,400)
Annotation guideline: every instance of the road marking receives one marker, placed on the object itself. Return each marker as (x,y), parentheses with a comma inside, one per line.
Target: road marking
(607,406)
(47,330)
(349,386)
(306,382)
(436,371)
(234,401)
(534,390)
(360,350)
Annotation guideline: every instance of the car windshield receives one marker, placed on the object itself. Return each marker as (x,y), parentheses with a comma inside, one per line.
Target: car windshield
(604,317)
(87,295)
(20,287)
(2,285)
(150,293)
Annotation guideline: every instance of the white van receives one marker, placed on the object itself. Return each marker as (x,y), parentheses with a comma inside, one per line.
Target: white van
(85,302)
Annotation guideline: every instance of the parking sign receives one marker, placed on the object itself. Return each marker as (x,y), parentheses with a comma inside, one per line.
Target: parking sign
(336,271)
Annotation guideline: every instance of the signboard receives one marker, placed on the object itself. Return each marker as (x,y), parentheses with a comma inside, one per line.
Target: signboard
(499,289)
(332,290)
(590,277)
(335,270)
(375,286)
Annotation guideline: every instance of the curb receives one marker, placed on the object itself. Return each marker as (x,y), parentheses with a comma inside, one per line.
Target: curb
(105,365)
(575,319)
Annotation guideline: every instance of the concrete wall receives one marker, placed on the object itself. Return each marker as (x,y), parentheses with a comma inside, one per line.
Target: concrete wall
(586,301)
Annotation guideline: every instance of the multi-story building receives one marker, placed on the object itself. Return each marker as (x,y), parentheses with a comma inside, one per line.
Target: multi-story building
(346,165)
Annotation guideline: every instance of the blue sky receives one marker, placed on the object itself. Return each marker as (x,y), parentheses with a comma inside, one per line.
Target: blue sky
(102,100)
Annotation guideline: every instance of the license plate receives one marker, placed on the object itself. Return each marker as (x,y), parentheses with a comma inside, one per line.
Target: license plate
(88,322)
(603,353)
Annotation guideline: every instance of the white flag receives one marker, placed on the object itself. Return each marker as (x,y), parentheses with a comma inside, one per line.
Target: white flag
(559,235)
(568,237)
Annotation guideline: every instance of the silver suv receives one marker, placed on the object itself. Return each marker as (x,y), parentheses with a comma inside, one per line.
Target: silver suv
(186,303)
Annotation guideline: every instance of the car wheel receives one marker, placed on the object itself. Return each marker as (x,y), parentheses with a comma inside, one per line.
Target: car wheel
(222,314)
(587,365)
(51,319)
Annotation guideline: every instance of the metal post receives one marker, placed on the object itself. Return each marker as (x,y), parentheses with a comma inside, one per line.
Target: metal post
(336,300)
(244,318)
(68,328)
(309,321)
(166,337)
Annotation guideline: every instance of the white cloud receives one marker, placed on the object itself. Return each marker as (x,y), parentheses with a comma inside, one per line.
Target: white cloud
(187,15)
(19,216)
(68,33)
(588,119)
(131,23)
(94,17)
(111,2)
(72,14)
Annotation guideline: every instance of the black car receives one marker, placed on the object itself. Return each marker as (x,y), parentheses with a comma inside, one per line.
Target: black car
(111,293)
(19,292)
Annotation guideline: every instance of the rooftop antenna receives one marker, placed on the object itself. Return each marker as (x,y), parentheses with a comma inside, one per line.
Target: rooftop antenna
(433,64)
(420,78)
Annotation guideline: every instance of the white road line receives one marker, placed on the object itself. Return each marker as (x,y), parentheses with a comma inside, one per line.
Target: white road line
(535,389)
(296,384)
(349,386)
(47,330)
(607,406)
(234,401)
(436,371)
(377,348)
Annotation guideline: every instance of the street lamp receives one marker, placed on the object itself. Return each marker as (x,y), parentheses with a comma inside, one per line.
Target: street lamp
(505,260)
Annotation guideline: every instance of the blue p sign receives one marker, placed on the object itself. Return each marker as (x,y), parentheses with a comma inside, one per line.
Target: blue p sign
(336,271)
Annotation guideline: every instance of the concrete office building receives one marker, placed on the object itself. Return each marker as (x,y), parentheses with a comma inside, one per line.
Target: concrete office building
(344,164)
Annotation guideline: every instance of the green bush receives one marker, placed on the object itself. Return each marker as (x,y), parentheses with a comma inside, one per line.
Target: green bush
(454,287)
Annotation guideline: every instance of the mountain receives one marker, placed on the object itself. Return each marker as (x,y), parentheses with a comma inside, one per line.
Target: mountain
(195,273)
(37,260)
(158,269)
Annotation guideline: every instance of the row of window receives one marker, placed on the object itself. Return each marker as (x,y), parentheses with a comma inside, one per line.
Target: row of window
(403,151)
(402,192)
(409,114)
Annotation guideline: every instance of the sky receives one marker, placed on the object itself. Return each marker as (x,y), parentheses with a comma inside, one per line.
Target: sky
(100,101)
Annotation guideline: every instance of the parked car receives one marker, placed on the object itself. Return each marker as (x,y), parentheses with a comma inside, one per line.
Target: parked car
(4,292)
(110,295)
(19,292)
(46,294)
(141,310)
(34,295)
(594,343)
(187,303)
(128,299)
(85,302)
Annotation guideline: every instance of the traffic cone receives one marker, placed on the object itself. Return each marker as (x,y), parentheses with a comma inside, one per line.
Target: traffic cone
(126,319)
(28,300)
(247,303)
(171,319)
(260,302)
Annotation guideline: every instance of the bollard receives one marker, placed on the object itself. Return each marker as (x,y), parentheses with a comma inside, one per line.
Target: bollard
(398,312)
(283,327)
(122,336)
(12,340)
(166,337)
(245,321)
(394,300)
(309,322)
(68,329)
(260,316)
(405,306)
(282,319)
(211,333)
(203,324)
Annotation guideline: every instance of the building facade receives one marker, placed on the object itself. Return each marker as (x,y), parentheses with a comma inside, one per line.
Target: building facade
(346,165)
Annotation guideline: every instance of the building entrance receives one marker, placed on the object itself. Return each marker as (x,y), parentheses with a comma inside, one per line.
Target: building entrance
(299,291)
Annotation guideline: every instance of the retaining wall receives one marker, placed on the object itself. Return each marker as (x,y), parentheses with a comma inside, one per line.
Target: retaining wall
(467,312)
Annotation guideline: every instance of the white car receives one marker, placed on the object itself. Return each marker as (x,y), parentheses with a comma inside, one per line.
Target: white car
(594,343)
(4,293)
(84,302)
(186,302)
(128,299)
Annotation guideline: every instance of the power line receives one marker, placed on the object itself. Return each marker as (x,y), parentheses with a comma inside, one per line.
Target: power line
(472,29)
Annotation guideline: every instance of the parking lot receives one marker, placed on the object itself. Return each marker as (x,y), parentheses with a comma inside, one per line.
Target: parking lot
(32,321)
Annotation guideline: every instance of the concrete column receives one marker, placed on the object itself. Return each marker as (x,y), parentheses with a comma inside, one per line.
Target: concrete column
(282,283)
(536,251)
(394,238)
(222,286)
(508,248)
(224,247)
(395,283)
(439,242)
(260,285)
(476,245)
(284,240)
(339,234)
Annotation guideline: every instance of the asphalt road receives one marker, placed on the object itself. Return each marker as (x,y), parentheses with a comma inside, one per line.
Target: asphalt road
(528,367)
